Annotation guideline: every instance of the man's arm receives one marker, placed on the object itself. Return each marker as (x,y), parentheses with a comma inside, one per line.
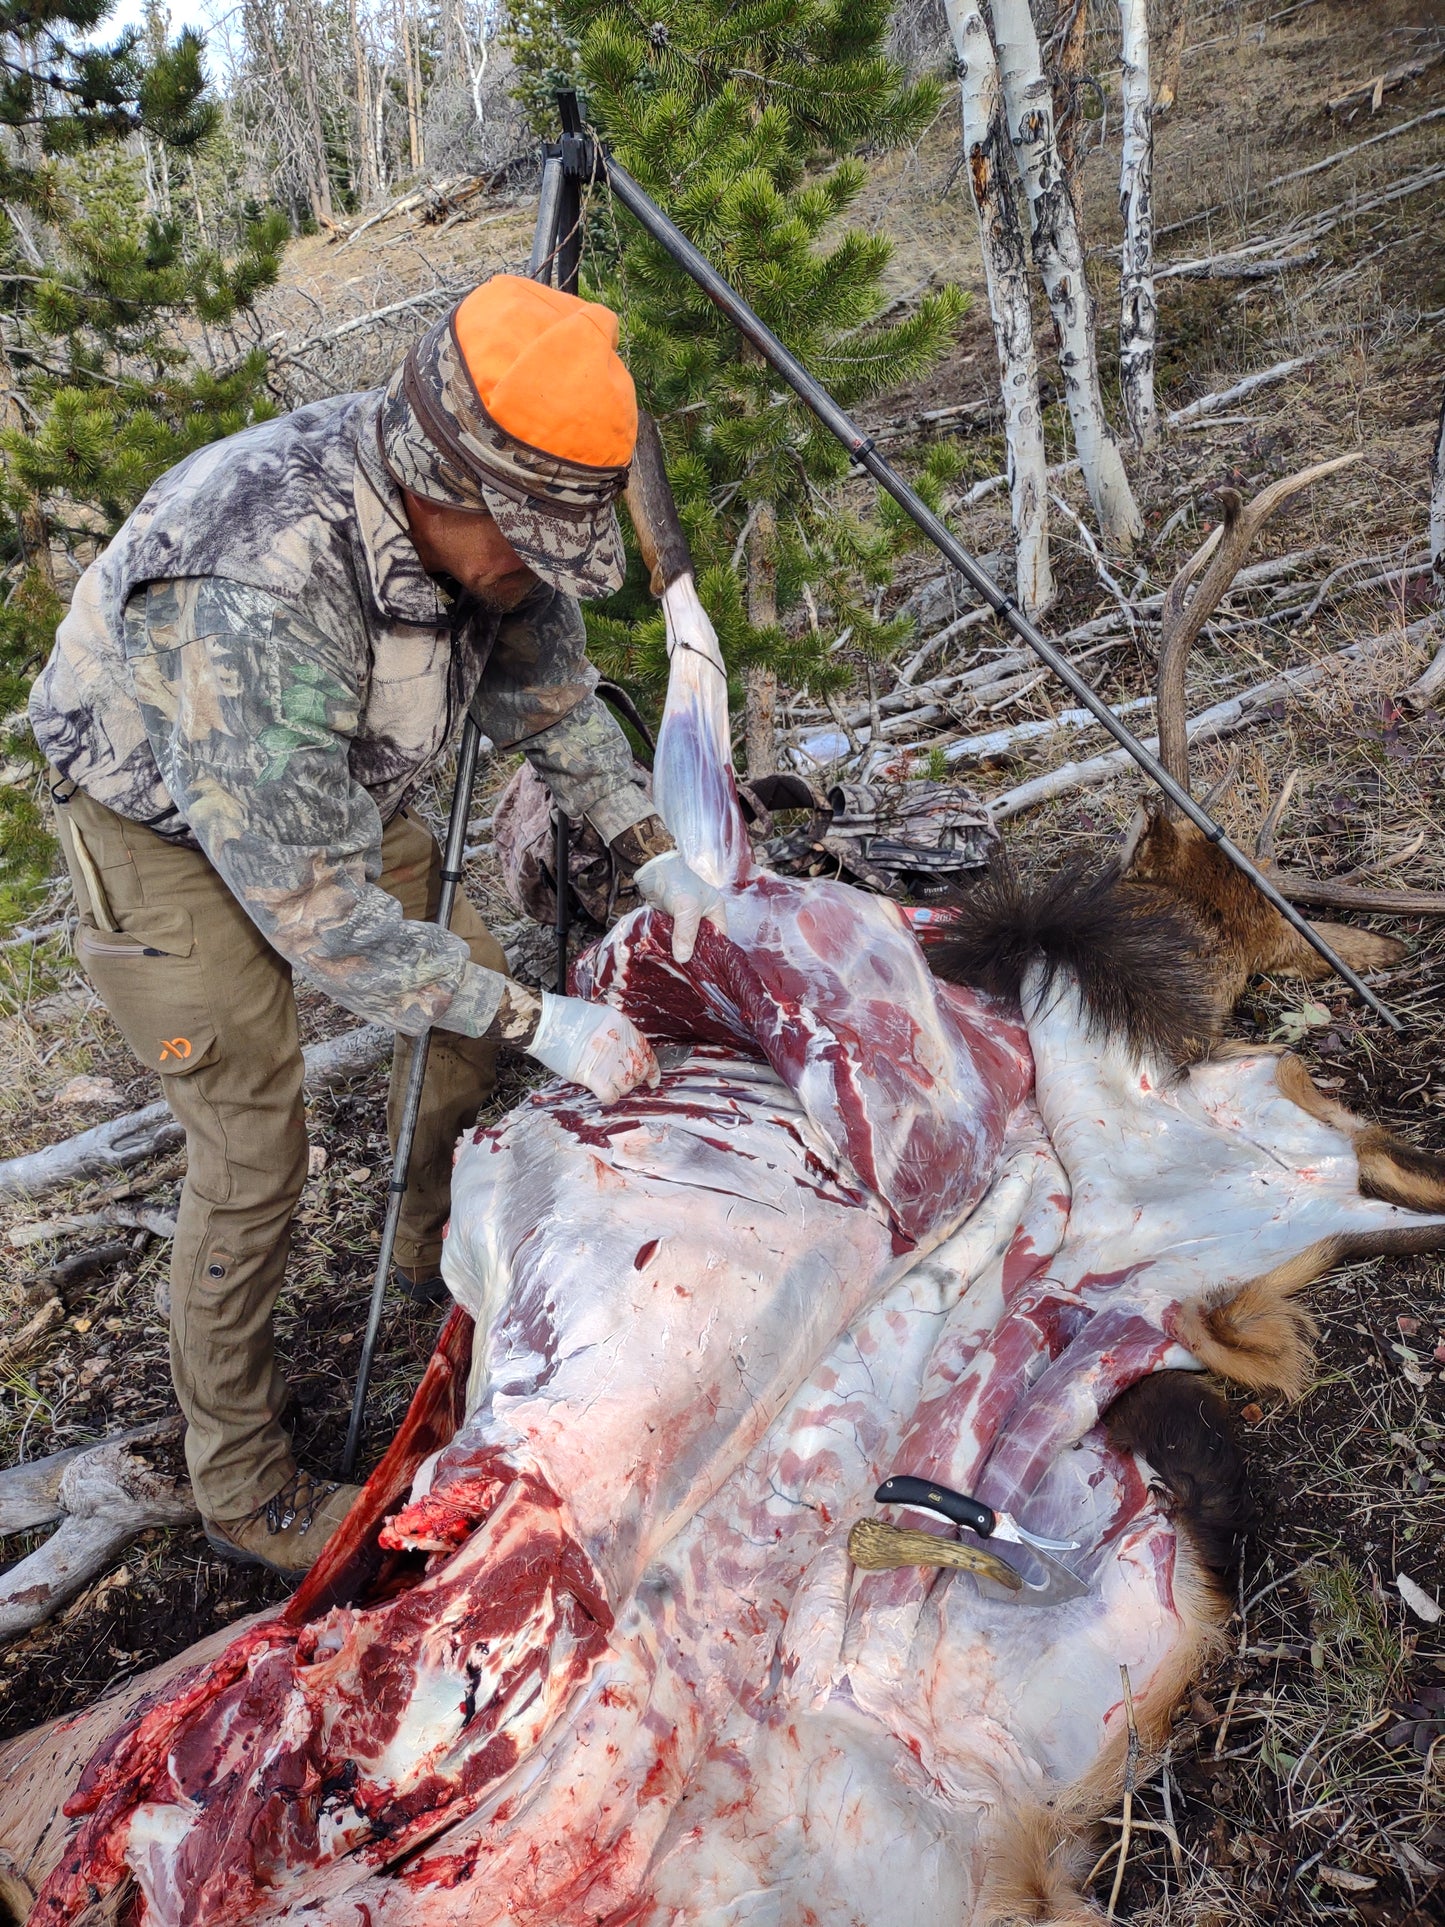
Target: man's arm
(537,695)
(537,672)
(250,713)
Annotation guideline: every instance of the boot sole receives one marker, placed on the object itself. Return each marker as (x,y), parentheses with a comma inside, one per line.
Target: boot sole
(237,1556)
(431,1292)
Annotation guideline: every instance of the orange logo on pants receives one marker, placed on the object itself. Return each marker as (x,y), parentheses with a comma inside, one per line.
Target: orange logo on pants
(177,1047)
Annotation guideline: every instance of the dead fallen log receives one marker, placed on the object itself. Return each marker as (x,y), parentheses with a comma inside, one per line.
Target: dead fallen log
(1237,267)
(1429,687)
(1315,167)
(102,1495)
(123,1142)
(1222,719)
(1371,92)
(1334,893)
(159,1224)
(441,296)
(1226,397)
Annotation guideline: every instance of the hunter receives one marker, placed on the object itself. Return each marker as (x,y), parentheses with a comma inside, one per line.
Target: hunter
(249,685)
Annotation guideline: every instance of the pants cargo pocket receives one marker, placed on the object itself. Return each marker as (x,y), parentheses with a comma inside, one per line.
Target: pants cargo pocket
(155,989)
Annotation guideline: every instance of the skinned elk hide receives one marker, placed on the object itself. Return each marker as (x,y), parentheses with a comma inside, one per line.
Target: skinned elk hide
(607,1659)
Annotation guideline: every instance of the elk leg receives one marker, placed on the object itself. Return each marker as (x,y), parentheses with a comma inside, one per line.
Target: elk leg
(1362,950)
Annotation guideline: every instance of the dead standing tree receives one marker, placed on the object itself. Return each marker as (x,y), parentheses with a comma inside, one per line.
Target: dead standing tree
(1005,264)
(1138,308)
(1058,252)
(1437,504)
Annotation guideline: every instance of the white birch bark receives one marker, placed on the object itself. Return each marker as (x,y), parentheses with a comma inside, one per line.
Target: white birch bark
(1437,504)
(1138,309)
(1005,264)
(1059,255)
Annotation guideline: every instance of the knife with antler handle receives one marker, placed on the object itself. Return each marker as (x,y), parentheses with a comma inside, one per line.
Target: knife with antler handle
(963,1511)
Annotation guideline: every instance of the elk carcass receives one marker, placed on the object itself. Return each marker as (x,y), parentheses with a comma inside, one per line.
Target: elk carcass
(607,1659)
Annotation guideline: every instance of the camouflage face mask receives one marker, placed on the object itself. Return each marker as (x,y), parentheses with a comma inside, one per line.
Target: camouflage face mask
(438,441)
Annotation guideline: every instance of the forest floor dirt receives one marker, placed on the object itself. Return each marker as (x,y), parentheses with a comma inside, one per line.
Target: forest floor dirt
(1305,1779)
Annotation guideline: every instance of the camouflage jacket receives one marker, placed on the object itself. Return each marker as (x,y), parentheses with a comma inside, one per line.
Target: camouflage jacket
(259,665)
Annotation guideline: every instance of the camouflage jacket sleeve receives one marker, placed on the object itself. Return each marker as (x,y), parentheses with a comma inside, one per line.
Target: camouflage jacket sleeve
(250,712)
(537,695)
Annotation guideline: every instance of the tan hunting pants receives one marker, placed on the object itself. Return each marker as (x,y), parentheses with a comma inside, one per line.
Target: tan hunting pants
(204,1000)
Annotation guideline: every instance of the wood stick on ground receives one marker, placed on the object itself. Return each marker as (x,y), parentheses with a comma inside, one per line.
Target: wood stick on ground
(1131,1767)
(441,296)
(1237,267)
(1222,719)
(1193,411)
(1332,217)
(1315,167)
(1227,397)
(38,934)
(123,1142)
(1437,501)
(17,1348)
(947,634)
(1422,693)
(1374,90)
(160,1224)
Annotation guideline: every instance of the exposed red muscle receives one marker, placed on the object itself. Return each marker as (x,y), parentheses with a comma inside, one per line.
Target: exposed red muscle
(351,1568)
(622,1671)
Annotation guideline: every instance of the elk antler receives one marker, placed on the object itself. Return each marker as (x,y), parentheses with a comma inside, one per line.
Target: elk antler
(1218,559)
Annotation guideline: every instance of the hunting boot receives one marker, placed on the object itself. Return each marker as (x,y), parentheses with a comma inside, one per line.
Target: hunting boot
(287,1533)
(422,1284)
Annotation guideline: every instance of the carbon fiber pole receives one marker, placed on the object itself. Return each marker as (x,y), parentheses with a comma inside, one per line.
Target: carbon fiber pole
(650,216)
(574,165)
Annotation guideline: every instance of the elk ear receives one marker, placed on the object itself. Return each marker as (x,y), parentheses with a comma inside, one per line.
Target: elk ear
(1135,952)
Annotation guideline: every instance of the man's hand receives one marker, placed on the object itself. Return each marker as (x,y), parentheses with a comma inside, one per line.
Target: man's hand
(669,885)
(594,1045)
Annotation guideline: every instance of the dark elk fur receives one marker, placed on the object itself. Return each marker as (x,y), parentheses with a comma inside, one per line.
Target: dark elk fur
(1136,951)
(1179,1425)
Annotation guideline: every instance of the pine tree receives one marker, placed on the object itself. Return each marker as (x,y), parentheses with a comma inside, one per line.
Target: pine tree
(103,292)
(747,124)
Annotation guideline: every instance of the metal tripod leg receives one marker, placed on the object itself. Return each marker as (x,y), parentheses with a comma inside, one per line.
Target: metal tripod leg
(451,876)
(556,206)
(814,396)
